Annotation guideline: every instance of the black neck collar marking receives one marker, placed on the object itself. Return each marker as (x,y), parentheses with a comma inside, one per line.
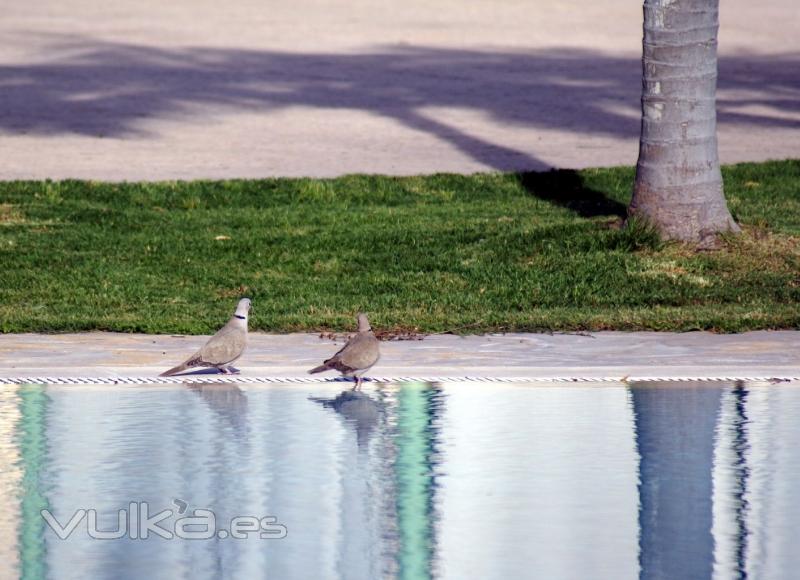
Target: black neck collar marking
(240,317)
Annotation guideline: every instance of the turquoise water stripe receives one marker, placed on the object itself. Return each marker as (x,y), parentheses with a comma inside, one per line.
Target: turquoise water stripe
(414,476)
(33,401)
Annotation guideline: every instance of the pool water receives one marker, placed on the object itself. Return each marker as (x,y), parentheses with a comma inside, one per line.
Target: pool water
(684,480)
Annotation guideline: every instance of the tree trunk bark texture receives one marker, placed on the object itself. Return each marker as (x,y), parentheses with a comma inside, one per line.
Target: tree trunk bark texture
(678,187)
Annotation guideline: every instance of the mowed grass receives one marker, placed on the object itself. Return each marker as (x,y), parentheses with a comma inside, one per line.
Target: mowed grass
(467,254)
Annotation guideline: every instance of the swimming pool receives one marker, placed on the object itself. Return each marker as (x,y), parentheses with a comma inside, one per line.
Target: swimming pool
(411,480)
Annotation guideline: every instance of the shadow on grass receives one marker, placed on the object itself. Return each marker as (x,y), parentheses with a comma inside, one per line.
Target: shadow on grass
(565,187)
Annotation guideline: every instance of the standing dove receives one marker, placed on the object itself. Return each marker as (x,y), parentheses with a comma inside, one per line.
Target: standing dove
(357,356)
(224,347)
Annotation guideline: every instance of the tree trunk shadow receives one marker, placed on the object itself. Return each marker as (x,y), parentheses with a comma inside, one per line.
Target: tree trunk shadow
(565,187)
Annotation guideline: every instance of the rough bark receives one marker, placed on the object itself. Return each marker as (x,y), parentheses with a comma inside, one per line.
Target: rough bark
(678,186)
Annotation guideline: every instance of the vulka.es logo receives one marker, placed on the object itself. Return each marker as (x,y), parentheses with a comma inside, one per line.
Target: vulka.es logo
(137,523)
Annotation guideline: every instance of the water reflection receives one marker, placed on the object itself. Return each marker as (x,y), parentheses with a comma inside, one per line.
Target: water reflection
(357,409)
(741,476)
(419,410)
(366,540)
(33,403)
(756,491)
(537,481)
(228,401)
(409,481)
(393,468)
(11,471)
(675,428)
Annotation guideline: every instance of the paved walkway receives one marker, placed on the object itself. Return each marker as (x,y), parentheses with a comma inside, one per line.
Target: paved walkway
(146,89)
(536,356)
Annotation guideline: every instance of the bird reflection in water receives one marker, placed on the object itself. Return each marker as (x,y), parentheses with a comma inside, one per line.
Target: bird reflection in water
(357,409)
(397,430)
(227,401)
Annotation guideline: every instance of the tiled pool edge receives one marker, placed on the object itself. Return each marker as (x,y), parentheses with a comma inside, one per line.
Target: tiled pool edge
(261,380)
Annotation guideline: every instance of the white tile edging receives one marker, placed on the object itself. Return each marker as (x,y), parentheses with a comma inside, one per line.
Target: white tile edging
(238,379)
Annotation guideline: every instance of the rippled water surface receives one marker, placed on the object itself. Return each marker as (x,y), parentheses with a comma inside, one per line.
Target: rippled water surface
(409,481)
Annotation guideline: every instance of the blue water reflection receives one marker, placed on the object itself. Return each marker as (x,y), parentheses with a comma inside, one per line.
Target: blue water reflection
(407,481)
(675,441)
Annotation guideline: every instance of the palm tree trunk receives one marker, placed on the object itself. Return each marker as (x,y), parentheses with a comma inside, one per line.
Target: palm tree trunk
(678,186)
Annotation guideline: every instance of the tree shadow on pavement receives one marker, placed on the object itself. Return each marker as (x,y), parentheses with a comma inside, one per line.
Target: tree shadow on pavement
(97,88)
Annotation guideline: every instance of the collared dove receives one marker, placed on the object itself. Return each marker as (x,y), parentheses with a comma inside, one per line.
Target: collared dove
(357,356)
(224,347)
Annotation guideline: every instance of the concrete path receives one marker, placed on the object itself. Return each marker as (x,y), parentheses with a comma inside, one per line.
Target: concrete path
(536,356)
(152,90)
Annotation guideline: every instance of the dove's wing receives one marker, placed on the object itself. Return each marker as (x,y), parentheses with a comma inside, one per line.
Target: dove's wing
(225,346)
(361,352)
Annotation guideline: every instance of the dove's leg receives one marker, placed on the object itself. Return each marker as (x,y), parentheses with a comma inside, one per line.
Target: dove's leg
(358,384)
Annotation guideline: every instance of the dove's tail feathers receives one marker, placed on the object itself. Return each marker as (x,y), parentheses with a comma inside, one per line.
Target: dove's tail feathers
(196,360)
(320,369)
(175,370)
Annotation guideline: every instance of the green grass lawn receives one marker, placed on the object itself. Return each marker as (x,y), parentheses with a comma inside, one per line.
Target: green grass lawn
(420,254)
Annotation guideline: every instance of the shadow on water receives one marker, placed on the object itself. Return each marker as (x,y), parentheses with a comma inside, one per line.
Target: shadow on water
(94,87)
